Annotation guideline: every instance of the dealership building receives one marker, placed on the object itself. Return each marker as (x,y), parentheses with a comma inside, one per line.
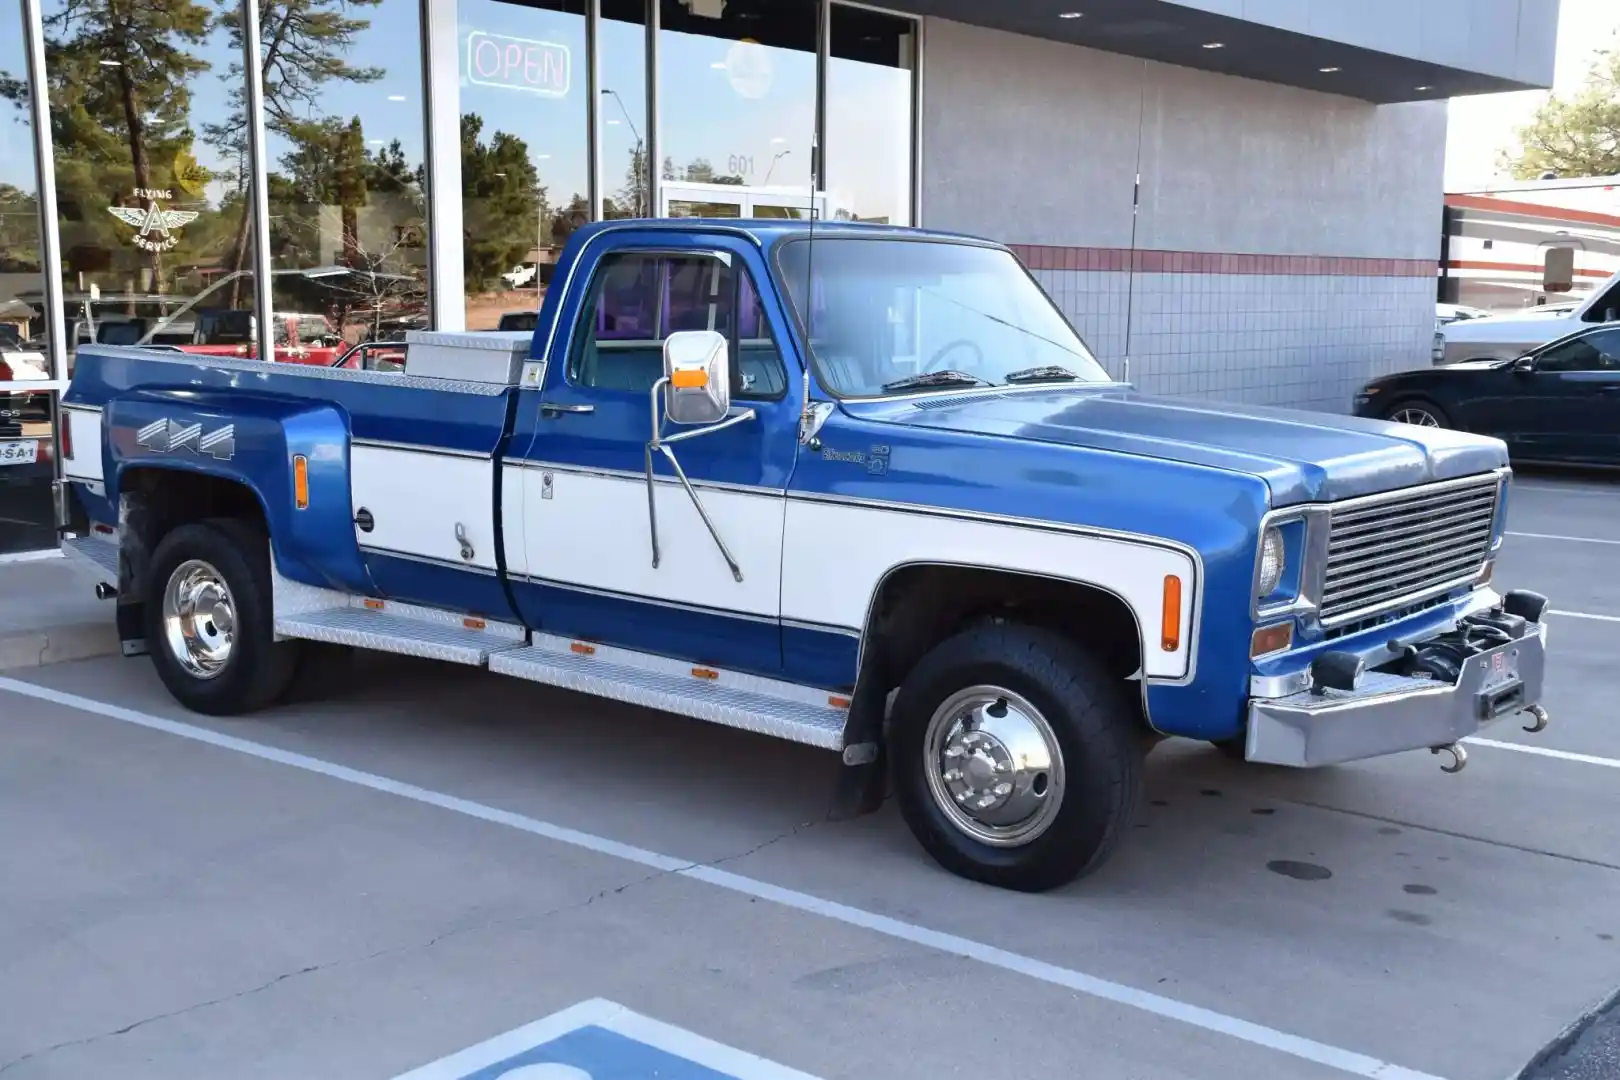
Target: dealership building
(1238,199)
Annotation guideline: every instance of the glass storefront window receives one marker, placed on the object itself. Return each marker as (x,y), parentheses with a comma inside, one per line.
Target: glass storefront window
(524,148)
(148,117)
(870,70)
(622,112)
(344,148)
(737,106)
(27,519)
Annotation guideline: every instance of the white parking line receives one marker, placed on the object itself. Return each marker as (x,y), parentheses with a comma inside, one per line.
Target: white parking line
(1583,615)
(1567,539)
(1542,751)
(1345,1061)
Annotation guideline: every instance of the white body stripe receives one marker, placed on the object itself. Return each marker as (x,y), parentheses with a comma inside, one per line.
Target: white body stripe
(84,427)
(418,499)
(836,555)
(592,531)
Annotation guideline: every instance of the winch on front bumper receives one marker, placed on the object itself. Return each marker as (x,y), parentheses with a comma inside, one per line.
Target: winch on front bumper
(1434,693)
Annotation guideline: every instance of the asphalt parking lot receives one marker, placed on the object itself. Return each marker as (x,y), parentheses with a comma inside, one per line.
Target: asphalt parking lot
(427,858)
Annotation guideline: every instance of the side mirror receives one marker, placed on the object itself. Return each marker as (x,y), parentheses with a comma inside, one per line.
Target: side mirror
(1524,365)
(697,364)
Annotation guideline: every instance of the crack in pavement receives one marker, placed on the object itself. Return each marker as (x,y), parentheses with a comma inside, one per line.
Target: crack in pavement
(392,950)
(1453,833)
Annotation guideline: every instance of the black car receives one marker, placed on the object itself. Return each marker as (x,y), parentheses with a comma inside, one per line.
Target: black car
(1557,403)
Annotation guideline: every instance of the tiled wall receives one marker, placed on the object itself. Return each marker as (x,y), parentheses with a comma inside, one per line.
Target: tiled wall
(1303,341)
(1284,243)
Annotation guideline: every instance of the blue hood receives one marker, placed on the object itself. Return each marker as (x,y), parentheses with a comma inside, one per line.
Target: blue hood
(1302,456)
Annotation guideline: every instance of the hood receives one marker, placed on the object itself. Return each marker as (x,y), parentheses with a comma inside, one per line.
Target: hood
(1527,326)
(1301,456)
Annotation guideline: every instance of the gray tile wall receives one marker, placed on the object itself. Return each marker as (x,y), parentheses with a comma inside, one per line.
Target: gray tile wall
(1301,342)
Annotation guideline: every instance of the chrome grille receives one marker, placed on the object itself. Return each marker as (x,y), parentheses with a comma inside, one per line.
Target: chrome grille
(1393,548)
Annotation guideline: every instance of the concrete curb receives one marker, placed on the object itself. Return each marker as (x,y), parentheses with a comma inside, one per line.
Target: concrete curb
(1566,1039)
(57,644)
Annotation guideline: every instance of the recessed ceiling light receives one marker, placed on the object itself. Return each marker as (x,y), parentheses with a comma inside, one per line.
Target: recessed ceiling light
(110,63)
(1214,44)
(719,65)
(396,97)
(613,123)
(1070,15)
(1327,70)
(1420,89)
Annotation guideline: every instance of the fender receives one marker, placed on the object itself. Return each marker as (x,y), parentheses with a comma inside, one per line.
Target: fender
(250,440)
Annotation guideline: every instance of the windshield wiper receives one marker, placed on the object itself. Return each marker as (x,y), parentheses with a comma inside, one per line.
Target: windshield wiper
(1049,373)
(936,378)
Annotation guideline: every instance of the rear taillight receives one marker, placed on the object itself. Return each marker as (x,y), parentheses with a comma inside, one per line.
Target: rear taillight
(5,370)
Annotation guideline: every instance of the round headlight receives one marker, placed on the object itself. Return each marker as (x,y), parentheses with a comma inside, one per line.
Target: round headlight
(1272,560)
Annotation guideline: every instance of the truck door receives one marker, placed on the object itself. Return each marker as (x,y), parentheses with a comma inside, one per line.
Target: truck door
(586,530)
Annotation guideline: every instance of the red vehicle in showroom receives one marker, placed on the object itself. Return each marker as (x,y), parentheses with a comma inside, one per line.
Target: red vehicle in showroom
(219,320)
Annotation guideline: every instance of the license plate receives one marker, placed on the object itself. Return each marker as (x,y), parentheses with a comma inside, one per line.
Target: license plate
(19,452)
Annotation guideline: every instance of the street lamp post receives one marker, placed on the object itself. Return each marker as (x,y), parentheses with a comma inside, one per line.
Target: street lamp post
(638,166)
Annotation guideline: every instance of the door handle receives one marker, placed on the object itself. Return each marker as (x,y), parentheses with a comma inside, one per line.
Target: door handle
(551,408)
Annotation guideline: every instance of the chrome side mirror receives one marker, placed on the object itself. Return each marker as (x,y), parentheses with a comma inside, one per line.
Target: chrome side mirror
(1524,364)
(697,364)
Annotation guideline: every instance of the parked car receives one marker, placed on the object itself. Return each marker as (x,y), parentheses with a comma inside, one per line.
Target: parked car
(520,275)
(519,320)
(1557,403)
(1445,314)
(20,365)
(1507,337)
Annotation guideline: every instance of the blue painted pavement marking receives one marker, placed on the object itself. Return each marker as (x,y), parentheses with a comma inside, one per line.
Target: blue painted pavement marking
(600,1040)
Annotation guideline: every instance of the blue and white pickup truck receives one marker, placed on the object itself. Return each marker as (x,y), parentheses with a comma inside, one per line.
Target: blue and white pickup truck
(860,488)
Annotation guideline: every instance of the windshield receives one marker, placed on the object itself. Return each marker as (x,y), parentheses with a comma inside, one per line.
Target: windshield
(895,316)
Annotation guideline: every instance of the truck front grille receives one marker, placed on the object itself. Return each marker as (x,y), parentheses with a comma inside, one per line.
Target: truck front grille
(1391,549)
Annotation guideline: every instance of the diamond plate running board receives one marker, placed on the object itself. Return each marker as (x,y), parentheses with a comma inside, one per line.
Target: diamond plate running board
(781,710)
(96,557)
(406,630)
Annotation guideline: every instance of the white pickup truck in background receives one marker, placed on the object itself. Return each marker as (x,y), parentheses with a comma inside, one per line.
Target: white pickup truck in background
(1507,337)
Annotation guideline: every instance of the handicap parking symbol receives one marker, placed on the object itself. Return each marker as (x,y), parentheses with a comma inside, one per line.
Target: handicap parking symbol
(601,1040)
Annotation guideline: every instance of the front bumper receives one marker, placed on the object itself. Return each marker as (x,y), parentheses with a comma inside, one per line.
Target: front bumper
(1390,713)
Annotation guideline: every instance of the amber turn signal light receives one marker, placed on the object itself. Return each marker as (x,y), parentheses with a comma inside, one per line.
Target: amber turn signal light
(301,481)
(1270,639)
(1170,622)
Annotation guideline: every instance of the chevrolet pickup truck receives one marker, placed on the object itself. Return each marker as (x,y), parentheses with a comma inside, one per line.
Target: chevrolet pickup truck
(858,487)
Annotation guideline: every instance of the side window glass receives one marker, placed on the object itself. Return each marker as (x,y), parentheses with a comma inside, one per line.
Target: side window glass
(757,372)
(1582,354)
(637,300)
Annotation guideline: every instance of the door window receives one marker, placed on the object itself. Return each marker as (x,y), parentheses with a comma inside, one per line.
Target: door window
(639,299)
(1599,351)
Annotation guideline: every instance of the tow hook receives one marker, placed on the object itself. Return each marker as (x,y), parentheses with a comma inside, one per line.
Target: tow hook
(1459,756)
(1538,714)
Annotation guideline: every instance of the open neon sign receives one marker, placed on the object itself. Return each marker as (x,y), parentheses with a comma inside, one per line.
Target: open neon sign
(511,63)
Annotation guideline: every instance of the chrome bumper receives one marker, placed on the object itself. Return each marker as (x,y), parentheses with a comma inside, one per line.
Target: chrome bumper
(1387,714)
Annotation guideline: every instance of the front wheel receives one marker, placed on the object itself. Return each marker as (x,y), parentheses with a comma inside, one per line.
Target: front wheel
(1018,759)
(209,619)
(1418,412)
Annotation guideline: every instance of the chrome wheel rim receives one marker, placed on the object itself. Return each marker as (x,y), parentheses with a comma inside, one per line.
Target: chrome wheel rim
(994,766)
(1415,416)
(199,619)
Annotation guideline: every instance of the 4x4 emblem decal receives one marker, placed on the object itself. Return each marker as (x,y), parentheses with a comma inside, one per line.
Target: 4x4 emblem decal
(166,436)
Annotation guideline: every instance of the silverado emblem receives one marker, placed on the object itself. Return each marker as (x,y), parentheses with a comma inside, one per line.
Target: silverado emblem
(166,436)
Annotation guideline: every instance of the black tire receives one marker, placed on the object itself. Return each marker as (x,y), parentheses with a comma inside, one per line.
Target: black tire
(1395,408)
(258,668)
(1098,731)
